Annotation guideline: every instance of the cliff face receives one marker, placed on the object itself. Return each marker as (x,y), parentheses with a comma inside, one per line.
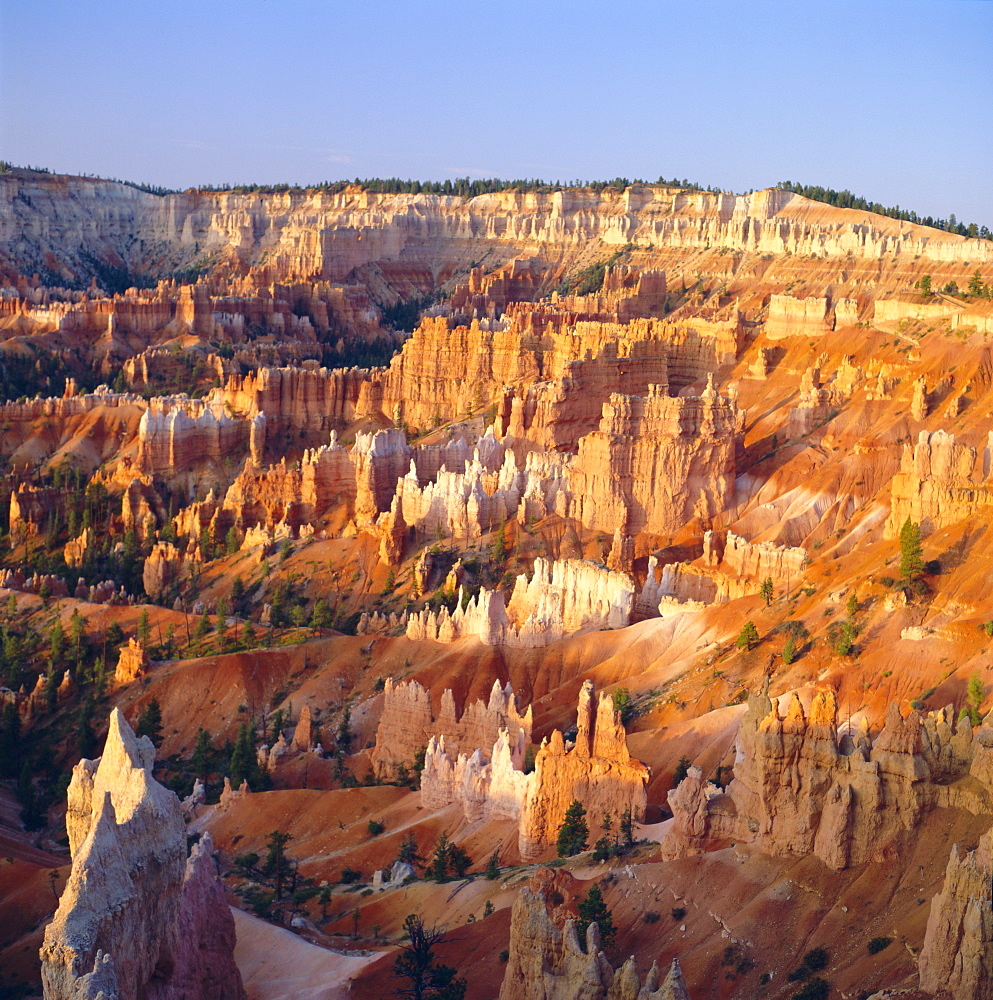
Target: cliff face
(318,233)
(656,462)
(131,899)
(547,960)
(939,483)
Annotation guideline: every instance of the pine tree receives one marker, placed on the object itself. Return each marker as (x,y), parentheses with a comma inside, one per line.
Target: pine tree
(976,286)
(150,723)
(748,636)
(593,909)
(573,831)
(276,863)
(911,552)
(321,617)
(144,628)
(499,551)
(438,869)
(974,694)
(493,866)
(682,769)
(767,590)
(202,753)
(240,757)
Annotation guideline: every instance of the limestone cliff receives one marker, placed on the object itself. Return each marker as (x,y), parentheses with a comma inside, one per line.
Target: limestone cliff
(802,788)
(134,915)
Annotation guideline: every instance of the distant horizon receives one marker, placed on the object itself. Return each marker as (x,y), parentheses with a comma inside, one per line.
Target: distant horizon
(883,98)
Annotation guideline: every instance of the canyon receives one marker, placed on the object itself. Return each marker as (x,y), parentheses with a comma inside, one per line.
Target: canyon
(401,525)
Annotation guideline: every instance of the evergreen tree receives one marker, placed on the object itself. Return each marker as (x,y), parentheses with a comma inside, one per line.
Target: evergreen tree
(203,627)
(144,628)
(767,590)
(202,753)
(924,284)
(321,618)
(974,694)
(150,723)
(56,642)
(493,866)
(499,551)
(425,979)
(10,741)
(86,741)
(238,595)
(459,860)
(748,636)
(682,769)
(408,852)
(593,909)
(976,286)
(277,725)
(911,552)
(276,863)
(438,869)
(627,826)
(240,757)
(573,831)
(231,542)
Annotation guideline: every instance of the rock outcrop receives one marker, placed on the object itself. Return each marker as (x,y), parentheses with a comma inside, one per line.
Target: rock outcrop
(597,770)
(135,918)
(547,960)
(939,483)
(957,956)
(408,723)
(802,788)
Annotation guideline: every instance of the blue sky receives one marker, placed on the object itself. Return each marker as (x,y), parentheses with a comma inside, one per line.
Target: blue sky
(892,99)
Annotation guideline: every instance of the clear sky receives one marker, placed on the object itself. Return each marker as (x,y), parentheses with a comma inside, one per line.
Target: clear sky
(892,99)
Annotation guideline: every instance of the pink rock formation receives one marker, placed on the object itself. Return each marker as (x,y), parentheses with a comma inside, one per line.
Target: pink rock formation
(128,904)
(686,443)
(132,662)
(547,961)
(598,771)
(408,723)
(792,317)
(939,483)
(800,789)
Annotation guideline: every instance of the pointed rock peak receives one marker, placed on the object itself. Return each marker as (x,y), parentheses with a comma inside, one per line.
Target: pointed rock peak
(556,745)
(674,986)
(122,744)
(795,717)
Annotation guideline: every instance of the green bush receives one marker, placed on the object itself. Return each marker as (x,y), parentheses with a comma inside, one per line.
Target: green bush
(815,989)
(878,944)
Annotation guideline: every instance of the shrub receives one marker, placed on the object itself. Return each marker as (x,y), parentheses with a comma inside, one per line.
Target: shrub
(504,955)
(878,944)
(816,989)
(349,875)
(678,913)
(651,917)
(375,828)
